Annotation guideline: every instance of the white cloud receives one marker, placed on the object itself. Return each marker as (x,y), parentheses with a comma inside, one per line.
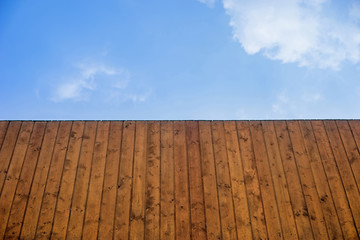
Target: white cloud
(90,80)
(209,3)
(306,32)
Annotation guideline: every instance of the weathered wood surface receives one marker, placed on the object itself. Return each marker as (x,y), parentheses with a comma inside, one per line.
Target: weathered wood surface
(180,179)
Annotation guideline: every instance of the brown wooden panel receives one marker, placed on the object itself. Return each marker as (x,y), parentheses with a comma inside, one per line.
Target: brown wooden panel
(30,176)
(122,210)
(345,170)
(77,210)
(93,203)
(266,183)
(351,148)
(197,208)
(297,197)
(280,182)
(256,209)
(236,169)
(211,199)
(50,196)
(67,182)
(152,212)
(24,151)
(227,216)
(334,180)
(307,179)
(138,198)
(7,149)
(180,179)
(322,186)
(39,182)
(3,128)
(182,208)
(107,214)
(167,196)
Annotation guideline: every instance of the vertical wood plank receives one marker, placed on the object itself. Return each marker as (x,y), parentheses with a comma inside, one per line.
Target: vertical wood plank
(33,207)
(7,149)
(3,128)
(23,149)
(308,183)
(107,214)
(241,207)
(228,227)
(26,181)
(266,183)
(280,182)
(297,197)
(152,212)
(138,198)
(213,224)
(67,182)
(321,182)
(46,216)
(78,202)
(122,210)
(355,129)
(93,203)
(167,206)
(351,148)
(256,209)
(345,170)
(335,181)
(182,208)
(197,209)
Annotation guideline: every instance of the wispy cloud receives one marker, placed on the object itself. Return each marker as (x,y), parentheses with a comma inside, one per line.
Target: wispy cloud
(209,3)
(295,104)
(97,81)
(314,33)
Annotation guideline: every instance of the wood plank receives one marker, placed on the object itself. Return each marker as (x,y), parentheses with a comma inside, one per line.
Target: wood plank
(182,208)
(227,216)
(3,128)
(345,170)
(351,148)
(38,186)
(335,182)
(307,179)
(266,184)
(78,202)
(93,203)
(212,213)
(22,151)
(197,208)
(322,186)
(137,212)
(122,211)
(167,196)
(256,210)
(67,182)
(152,212)
(355,129)
(7,149)
(180,179)
(107,214)
(48,206)
(297,197)
(31,168)
(280,182)
(241,208)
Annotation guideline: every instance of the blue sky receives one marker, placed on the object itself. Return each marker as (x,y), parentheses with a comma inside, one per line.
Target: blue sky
(179,59)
